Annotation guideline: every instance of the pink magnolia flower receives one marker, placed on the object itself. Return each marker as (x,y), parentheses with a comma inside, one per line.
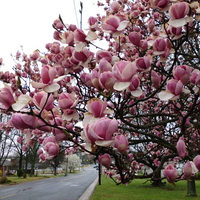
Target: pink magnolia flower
(52,149)
(181,147)
(24,121)
(87,79)
(43,126)
(42,157)
(189,169)
(134,87)
(156,79)
(67,101)
(113,24)
(170,173)
(107,80)
(102,54)
(6,96)
(24,148)
(48,74)
(143,63)
(83,55)
(80,36)
(95,78)
(49,139)
(182,73)
(100,131)
(104,66)
(135,38)
(20,139)
(179,10)
(58,24)
(161,4)
(195,77)
(39,151)
(178,13)
(175,87)
(72,27)
(196,161)
(114,6)
(123,72)
(161,45)
(96,107)
(48,81)
(67,38)
(121,143)
(43,101)
(105,160)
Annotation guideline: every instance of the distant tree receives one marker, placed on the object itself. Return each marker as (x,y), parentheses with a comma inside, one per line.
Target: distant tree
(74,162)
(56,161)
(6,138)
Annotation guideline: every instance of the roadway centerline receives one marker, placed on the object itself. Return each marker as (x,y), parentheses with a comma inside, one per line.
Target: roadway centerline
(7,196)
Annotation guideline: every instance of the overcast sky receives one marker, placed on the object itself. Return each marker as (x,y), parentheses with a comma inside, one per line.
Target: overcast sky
(29,23)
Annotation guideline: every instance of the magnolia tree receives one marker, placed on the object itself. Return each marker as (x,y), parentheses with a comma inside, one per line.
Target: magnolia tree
(125,90)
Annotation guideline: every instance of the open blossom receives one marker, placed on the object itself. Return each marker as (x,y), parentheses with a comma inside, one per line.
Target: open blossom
(175,87)
(196,161)
(102,54)
(6,96)
(51,148)
(96,107)
(39,151)
(67,101)
(121,143)
(105,160)
(161,4)
(156,79)
(20,139)
(107,80)
(134,87)
(123,72)
(189,169)
(135,38)
(104,66)
(179,10)
(170,173)
(178,14)
(143,63)
(195,77)
(42,157)
(113,24)
(100,131)
(182,73)
(24,121)
(181,148)
(48,81)
(43,100)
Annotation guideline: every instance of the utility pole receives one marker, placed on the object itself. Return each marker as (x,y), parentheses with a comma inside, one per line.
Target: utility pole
(81,14)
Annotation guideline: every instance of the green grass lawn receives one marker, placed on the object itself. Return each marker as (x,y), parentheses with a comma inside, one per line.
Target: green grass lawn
(139,191)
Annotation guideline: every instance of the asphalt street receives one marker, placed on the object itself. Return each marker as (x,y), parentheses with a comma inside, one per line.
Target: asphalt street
(70,187)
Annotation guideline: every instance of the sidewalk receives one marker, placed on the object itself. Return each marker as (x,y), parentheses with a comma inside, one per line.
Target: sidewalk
(89,191)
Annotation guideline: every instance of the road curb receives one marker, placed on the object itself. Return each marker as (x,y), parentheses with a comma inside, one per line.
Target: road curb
(89,191)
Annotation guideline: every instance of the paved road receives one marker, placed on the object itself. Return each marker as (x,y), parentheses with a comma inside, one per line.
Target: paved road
(70,187)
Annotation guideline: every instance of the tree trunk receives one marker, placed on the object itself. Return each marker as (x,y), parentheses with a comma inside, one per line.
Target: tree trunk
(157,180)
(191,187)
(55,171)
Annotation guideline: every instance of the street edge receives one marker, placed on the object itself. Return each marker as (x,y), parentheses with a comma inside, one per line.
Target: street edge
(89,191)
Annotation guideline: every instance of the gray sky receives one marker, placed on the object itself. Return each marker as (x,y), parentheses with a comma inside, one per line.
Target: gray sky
(29,23)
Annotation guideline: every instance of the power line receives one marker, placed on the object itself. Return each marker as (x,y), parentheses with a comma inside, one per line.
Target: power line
(76,13)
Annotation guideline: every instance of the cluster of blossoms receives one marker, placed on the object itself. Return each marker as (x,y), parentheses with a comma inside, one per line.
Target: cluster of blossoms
(129,103)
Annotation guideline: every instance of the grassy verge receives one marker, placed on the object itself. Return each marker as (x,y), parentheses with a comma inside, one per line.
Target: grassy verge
(139,191)
(15,180)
